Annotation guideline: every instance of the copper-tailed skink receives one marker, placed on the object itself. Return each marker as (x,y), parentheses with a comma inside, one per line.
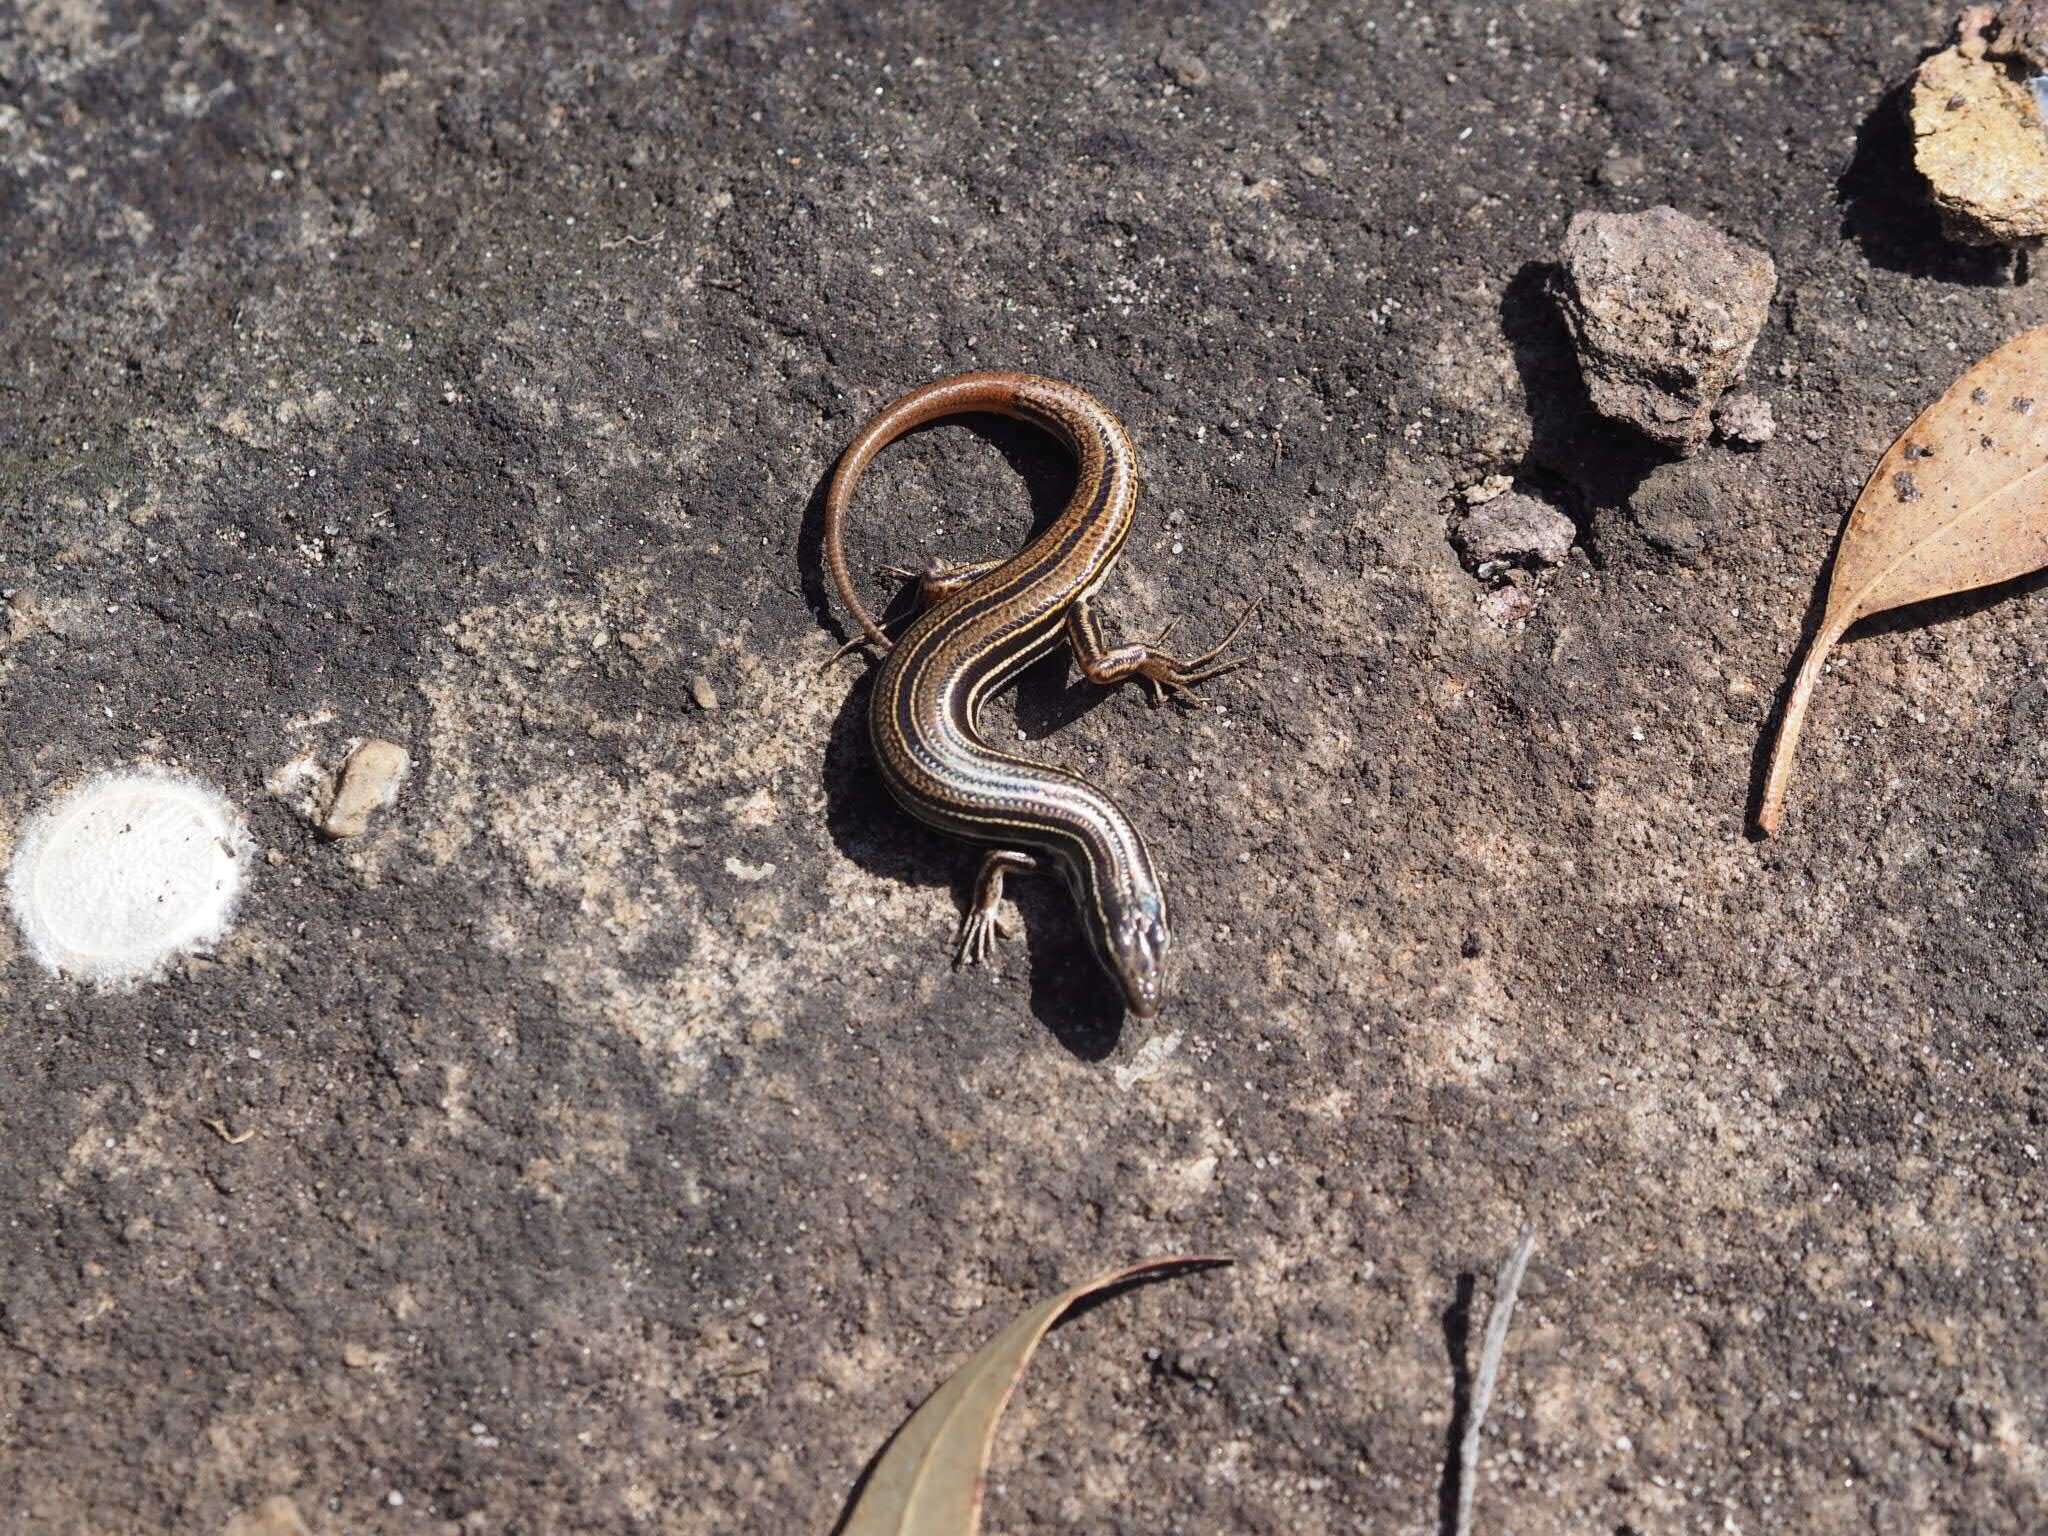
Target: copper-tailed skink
(982,623)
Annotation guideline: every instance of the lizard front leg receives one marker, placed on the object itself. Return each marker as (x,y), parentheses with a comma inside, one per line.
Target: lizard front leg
(936,582)
(978,932)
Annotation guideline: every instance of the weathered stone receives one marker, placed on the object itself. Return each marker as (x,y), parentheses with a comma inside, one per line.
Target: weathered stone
(1618,171)
(1508,606)
(1745,420)
(1489,489)
(1980,136)
(1513,529)
(2022,33)
(369,782)
(1664,311)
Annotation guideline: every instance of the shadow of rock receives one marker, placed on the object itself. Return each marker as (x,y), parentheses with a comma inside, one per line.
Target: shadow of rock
(1600,461)
(1889,212)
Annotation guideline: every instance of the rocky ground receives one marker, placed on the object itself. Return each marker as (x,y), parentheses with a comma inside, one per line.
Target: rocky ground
(625,1154)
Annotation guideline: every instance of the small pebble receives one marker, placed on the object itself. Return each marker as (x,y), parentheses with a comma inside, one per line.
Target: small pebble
(1492,487)
(703,693)
(1745,420)
(1184,66)
(369,782)
(1514,529)
(1619,171)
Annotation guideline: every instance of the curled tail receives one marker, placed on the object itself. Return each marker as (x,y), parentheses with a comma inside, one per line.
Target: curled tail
(964,392)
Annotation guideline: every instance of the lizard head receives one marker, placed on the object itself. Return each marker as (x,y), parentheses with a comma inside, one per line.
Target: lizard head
(1138,941)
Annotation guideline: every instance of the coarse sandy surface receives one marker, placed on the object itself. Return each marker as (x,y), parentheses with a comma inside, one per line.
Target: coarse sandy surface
(625,1154)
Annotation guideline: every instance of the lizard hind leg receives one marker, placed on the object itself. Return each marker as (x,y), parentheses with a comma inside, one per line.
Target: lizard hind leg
(978,932)
(1160,670)
(936,582)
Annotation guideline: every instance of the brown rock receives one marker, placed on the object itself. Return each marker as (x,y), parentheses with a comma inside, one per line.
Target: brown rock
(1979,134)
(1514,529)
(1664,311)
(369,782)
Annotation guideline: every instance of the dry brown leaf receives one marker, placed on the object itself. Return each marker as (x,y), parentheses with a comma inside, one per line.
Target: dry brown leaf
(931,1476)
(1959,501)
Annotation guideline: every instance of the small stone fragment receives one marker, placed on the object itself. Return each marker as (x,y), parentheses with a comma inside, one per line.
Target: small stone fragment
(1514,529)
(703,693)
(1745,419)
(1486,490)
(1619,171)
(1671,509)
(273,1517)
(369,782)
(1980,133)
(2022,34)
(1508,606)
(1663,310)
(1184,66)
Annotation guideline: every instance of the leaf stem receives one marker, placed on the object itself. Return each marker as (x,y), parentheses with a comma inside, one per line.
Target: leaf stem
(1772,811)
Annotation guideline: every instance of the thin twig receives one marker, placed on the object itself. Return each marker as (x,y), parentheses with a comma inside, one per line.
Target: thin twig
(1505,1285)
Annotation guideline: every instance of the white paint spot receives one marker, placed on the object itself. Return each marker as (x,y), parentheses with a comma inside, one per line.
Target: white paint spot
(126,871)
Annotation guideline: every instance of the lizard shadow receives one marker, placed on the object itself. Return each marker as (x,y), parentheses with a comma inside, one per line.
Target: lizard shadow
(1069,992)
